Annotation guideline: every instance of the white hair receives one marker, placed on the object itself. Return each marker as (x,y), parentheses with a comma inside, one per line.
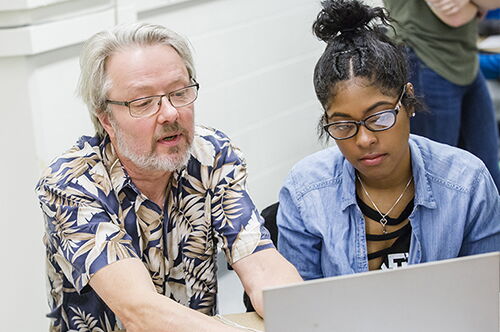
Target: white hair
(94,84)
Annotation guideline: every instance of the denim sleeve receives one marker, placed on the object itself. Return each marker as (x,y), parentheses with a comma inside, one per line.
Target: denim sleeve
(295,242)
(482,233)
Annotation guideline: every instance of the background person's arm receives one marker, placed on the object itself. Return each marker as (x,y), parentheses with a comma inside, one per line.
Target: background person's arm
(448,7)
(485,5)
(126,287)
(454,13)
(264,269)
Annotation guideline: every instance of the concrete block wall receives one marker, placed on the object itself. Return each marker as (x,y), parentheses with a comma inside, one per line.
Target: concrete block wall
(254,61)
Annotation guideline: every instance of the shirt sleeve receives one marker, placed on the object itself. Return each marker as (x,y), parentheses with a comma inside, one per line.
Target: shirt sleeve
(299,246)
(81,236)
(237,224)
(482,232)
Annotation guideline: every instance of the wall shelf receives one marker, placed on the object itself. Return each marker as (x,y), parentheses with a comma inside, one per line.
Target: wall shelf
(34,39)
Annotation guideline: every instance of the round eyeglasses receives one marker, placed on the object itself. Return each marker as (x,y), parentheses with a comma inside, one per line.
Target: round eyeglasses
(150,105)
(380,121)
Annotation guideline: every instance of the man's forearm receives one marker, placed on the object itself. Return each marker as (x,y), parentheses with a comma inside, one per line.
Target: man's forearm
(160,314)
(126,287)
(264,269)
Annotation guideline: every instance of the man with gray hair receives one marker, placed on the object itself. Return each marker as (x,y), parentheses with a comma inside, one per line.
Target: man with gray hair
(134,214)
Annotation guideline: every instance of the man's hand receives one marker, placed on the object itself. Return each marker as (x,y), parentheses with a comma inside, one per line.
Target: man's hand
(454,13)
(485,5)
(448,7)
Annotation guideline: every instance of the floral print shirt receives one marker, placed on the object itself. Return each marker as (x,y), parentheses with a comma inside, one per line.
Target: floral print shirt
(95,215)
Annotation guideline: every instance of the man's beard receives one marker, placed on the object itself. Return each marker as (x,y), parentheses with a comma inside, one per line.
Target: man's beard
(174,161)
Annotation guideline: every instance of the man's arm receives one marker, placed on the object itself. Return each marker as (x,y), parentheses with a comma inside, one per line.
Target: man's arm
(264,269)
(126,287)
(454,13)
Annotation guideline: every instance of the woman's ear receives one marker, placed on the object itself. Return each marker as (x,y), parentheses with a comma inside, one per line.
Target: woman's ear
(410,93)
(409,89)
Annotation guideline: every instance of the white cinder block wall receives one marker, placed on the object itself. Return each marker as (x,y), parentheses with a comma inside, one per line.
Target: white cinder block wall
(254,60)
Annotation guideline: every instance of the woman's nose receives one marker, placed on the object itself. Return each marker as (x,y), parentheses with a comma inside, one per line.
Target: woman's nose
(364,137)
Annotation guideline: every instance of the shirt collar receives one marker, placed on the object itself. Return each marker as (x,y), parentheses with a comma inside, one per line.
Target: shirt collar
(348,184)
(423,189)
(118,175)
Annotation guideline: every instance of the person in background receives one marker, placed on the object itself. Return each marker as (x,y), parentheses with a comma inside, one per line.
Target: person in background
(380,198)
(441,38)
(489,62)
(134,215)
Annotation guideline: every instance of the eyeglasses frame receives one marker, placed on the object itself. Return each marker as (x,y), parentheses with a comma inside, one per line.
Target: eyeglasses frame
(127,103)
(394,111)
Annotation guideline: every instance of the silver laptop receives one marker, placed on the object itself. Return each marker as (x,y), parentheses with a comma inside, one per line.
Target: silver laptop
(455,295)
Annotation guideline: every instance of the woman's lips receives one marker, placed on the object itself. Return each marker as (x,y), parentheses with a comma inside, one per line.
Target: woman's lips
(373,159)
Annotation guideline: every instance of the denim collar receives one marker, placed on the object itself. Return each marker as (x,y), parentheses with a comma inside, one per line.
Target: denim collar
(424,194)
(348,184)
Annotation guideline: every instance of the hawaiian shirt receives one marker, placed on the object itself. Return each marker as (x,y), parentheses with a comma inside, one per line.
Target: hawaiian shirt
(95,215)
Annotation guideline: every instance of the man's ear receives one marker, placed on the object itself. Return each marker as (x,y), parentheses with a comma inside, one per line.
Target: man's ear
(104,119)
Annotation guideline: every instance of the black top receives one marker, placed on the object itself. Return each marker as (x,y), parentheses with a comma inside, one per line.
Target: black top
(397,254)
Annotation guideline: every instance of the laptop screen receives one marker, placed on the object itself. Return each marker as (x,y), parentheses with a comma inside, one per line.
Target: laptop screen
(455,295)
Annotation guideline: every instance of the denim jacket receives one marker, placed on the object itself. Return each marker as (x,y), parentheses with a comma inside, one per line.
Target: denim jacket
(322,230)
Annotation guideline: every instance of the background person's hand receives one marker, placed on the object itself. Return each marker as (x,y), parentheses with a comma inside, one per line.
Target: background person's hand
(448,7)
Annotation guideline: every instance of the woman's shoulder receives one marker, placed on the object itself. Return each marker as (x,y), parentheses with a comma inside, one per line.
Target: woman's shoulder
(318,169)
(447,164)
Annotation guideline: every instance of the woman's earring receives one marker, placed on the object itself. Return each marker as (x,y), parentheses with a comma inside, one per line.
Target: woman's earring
(412,115)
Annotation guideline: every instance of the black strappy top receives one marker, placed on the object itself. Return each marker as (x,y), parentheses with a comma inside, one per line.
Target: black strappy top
(397,254)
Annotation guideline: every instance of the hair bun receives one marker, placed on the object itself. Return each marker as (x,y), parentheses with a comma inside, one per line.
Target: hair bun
(343,16)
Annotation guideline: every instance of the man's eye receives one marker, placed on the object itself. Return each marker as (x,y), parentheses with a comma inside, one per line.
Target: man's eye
(181,93)
(143,103)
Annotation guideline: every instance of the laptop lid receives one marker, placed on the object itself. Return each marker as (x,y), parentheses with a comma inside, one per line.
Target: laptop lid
(454,295)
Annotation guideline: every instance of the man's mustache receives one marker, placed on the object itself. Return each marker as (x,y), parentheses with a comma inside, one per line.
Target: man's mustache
(170,129)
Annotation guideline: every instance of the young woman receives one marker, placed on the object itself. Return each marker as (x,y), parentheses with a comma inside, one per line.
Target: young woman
(381,198)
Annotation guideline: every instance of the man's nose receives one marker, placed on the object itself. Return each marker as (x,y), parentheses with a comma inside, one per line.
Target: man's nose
(167,112)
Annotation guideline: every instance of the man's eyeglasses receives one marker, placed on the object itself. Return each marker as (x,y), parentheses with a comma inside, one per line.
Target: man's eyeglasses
(379,121)
(147,106)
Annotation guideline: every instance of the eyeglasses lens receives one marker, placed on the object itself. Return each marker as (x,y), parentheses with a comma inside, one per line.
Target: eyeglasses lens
(342,130)
(380,121)
(150,105)
(184,96)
